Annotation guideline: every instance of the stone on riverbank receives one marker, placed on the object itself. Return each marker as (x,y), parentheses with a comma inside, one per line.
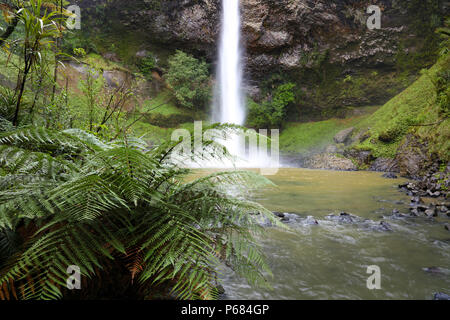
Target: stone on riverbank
(344,136)
(331,162)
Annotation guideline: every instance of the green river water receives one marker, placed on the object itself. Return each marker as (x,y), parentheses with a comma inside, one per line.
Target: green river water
(329,260)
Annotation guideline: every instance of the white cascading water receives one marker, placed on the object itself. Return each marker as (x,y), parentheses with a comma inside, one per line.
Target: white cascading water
(231,103)
(230,99)
(230,70)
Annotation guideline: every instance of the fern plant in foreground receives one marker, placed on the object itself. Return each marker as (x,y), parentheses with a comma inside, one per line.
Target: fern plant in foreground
(124,215)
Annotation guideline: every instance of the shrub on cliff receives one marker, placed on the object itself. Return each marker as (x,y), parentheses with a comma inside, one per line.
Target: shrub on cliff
(189,79)
(271,113)
(147,64)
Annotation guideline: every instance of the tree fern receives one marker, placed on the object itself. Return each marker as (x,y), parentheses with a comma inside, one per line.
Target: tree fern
(76,200)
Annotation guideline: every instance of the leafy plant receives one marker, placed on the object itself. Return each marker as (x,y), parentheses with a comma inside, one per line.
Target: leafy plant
(189,79)
(147,64)
(79,52)
(39,30)
(91,88)
(7,103)
(270,114)
(112,208)
(444,34)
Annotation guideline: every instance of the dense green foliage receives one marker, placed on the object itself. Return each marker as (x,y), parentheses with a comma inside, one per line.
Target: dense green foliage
(442,85)
(189,79)
(77,189)
(271,113)
(72,199)
(147,64)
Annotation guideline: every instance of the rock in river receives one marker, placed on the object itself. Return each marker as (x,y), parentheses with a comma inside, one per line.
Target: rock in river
(390,175)
(441,296)
(344,217)
(437,270)
(383,226)
(279,214)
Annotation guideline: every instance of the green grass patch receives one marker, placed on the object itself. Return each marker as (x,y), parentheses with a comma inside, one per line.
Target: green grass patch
(311,136)
(97,61)
(151,133)
(164,104)
(163,112)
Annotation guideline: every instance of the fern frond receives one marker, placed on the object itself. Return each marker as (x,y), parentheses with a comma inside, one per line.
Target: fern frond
(92,203)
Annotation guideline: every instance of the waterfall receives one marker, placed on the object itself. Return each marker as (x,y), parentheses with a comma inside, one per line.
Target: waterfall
(232,109)
(230,99)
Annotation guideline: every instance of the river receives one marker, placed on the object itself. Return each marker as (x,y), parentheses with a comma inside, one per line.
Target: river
(330,260)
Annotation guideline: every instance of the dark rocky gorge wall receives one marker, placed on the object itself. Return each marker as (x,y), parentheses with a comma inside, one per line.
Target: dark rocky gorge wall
(278,34)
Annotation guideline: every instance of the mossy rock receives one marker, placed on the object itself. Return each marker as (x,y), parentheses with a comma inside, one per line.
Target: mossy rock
(389,135)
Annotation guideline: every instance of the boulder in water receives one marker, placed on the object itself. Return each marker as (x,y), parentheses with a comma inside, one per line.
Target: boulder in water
(431,212)
(310,220)
(422,207)
(416,200)
(441,296)
(390,175)
(343,217)
(279,214)
(384,226)
(398,215)
(437,270)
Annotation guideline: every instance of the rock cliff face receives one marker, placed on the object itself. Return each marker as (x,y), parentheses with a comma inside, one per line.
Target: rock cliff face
(278,34)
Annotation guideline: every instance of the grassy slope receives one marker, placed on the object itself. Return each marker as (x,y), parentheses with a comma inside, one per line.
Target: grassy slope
(405,114)
(163,104)
(99,62)
(315,136)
